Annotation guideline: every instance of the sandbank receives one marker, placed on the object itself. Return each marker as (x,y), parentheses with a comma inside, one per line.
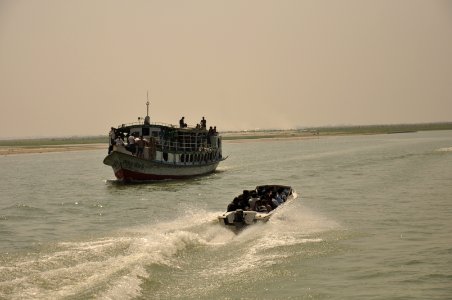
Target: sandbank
(235,137)
(12,150)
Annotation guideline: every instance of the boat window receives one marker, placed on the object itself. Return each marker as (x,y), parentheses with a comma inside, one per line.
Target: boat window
(165,156)
(182,158)
(145,131)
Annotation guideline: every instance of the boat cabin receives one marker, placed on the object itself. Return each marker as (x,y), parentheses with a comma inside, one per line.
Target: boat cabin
(170,144)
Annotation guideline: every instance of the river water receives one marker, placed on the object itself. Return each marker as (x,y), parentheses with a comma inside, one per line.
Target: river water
(373,221)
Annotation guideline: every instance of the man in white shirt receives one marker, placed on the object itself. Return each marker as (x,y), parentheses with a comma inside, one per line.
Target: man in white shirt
(131,144)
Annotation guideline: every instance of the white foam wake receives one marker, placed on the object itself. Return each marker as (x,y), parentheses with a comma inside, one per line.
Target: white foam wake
(116,267)
(449,149)
(110,267)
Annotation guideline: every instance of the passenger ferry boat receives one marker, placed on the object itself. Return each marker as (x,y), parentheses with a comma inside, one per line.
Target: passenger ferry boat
(258,205)
(169,152)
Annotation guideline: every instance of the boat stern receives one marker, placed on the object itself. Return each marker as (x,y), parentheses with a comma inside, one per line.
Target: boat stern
(238,218)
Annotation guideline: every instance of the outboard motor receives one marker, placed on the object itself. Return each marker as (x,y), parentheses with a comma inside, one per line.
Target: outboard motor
(238,216)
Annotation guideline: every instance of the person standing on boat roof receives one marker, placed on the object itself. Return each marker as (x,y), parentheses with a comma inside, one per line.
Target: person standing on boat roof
(203,123)
(182,123)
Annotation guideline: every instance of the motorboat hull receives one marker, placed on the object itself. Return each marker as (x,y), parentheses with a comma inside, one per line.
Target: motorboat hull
(239,219)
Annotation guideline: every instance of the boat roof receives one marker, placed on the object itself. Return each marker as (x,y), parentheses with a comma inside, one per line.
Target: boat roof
(128,126)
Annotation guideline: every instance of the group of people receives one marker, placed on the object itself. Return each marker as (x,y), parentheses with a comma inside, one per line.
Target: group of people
(260,201)
(201,125)
(135,144)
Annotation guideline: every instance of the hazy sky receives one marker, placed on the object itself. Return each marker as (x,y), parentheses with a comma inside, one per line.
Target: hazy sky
(77,67)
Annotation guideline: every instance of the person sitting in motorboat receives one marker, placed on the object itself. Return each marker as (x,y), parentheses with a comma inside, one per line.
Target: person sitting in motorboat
(260,206)
(244,200)
(240,202)
(253,200)
(278,197)
(282,194)
(269,201)
(234,205)
(286,194)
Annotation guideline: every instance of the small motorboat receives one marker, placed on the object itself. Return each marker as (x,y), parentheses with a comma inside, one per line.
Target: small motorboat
(258,205)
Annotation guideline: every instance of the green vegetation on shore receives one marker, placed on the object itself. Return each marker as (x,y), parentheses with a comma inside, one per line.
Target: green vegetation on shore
(48,142)
(257,134)
(381,129)
(337,130)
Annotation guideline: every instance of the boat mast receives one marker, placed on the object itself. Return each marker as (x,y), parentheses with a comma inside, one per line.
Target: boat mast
(147,120)
(147,104)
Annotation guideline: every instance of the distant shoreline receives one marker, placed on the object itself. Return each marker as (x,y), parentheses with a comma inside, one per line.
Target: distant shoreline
(29,146)
(13,150)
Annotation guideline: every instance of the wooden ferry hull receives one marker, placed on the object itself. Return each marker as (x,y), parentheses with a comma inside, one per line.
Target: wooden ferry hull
(130,168)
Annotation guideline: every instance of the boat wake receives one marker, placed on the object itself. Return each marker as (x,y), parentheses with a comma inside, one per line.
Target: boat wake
(449,149)
(191,256)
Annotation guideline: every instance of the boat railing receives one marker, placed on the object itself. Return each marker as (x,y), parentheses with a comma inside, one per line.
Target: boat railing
(141,123)
(177,146)
(181,140)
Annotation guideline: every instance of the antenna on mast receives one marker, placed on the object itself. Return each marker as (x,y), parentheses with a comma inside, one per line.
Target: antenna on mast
(147,104)
(147,120)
